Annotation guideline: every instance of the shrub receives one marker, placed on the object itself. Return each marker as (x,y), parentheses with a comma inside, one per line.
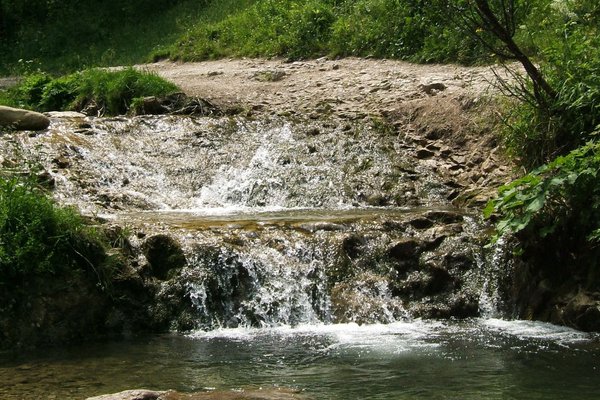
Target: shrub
(36,237)
(568,49)
(110,92)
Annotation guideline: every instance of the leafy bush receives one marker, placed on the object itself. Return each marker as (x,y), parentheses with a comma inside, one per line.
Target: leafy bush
(568,48)
(36,236)
(563,195)
(298,29)
(109,92)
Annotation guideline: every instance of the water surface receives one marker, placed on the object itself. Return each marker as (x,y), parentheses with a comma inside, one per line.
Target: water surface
(489,359)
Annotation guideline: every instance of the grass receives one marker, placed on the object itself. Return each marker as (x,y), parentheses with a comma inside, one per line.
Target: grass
(80,37)
(106,92)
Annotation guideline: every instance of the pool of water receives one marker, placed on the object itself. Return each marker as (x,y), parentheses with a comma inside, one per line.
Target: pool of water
(491,359)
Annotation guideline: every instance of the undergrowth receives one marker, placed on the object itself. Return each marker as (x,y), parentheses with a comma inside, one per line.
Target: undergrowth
(100,91)
(40,239)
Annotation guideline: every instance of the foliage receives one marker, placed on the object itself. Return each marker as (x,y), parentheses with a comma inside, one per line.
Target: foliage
(37,238)
(68,35)
(109,92)
(564,191)
(406,29)
(568,48)
(552,130)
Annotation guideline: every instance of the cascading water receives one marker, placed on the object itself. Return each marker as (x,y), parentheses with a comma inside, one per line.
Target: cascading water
(315,261)
(282,223)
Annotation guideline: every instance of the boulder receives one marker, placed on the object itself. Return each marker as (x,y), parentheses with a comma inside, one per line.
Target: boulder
(163,254)
(22,120)
(138,394)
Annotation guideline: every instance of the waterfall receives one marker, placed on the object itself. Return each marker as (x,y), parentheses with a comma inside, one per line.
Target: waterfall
(281,222)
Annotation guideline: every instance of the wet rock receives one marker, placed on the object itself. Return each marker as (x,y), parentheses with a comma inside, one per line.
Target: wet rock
(444,217)
(352,246)
(422,154)
(164,254)
(22,120)
(366,299)
(455,306)
(377,200)
(245,394)
(405,249)
(420,223)
(582,312)
(137,394)
(65,114)
(322,226)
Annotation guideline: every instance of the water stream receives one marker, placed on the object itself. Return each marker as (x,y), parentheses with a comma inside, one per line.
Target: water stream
(491,359)
(318,259)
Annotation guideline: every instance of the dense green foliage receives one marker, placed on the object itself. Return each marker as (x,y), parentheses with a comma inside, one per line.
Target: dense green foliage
(559,196)
(554,210)
(38,238)
(68,35)
(107,92)
(567,43)
(405,29)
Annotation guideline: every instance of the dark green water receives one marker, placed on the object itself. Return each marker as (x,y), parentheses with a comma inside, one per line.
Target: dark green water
(486,359)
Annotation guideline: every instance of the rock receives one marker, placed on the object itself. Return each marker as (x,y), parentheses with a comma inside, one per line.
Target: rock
(444,217)
(432,88)
(582,312)
(61,162)
(376,200)
(422,154)
(245,394)
(137,394)
(22,120)
(322,226)
(405,249)
(420,223)
(65,114)
(352,246)
(163,254)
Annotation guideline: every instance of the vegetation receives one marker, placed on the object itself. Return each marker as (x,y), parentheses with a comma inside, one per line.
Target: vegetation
(68,35)
(553,132)
(300,29)
(37,237)
(103,91)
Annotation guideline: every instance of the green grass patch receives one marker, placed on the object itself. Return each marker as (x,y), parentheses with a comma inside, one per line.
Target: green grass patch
(400,29)
(39,238)
(102,91)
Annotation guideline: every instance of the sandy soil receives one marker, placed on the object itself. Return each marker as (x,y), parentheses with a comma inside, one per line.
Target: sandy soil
(348,87)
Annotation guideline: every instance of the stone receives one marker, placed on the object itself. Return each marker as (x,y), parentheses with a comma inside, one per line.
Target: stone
(582,312)
(65,114)
(424,153)
(432,88)
(137,394)
(163,254)
(405,249)
(22,120)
